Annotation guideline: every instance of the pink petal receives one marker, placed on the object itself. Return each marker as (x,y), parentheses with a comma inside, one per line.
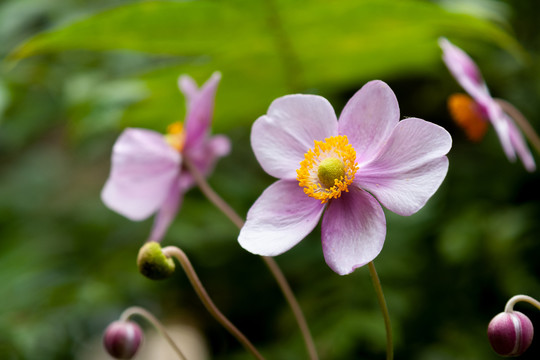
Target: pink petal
(205,157)
(219,145)
(463,68)
(410,167)
(167,212)
(200,109)
(501,124)
(143,168)
(369,118)
(521,147)
(468,76)
(353,231)
(281,217)
(189,88)
(281,137)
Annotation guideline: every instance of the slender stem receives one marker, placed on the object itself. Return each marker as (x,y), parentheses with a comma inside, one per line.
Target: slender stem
(207,302)
(135,310)
(522,122)
(384,309)
(295,307)
(515,299)
(270,262)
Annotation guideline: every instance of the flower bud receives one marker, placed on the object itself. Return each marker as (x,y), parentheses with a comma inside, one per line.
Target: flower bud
(122,339)
(152,263)
(510,333)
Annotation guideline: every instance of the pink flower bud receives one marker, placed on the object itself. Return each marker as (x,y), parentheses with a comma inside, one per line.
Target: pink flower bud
(510,333)
(122,339)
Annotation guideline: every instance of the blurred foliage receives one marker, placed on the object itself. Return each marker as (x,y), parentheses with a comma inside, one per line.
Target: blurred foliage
(76,72)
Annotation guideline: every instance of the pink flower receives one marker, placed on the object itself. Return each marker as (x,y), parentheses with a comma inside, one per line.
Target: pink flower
(467,74)
(147,176)
(339,168)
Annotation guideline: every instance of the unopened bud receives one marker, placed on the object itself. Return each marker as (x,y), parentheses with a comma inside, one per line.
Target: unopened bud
(153,263)
(122,339)
(510,333)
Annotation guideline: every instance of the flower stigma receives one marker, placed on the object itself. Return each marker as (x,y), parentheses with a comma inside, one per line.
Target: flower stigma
(328,169)
(176,137)
(468,115)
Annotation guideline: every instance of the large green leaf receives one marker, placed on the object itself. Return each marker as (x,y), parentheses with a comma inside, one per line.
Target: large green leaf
(268,48)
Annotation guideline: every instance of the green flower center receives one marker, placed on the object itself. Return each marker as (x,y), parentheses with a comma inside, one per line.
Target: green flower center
(330,170)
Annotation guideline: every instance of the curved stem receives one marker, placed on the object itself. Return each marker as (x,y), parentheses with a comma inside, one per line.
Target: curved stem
(205,299)
(515,299)
(384,309)
(522,122)
(272,265)
(135,310)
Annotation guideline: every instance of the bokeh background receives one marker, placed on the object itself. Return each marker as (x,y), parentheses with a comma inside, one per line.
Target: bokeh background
(76,72)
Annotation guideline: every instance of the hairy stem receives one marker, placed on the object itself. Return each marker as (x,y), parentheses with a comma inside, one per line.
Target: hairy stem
(135,310)
(384,310)
(270,262)
(207,301)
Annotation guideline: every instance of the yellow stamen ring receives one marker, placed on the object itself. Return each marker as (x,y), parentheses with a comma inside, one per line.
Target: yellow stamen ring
(328,169)
(176,136)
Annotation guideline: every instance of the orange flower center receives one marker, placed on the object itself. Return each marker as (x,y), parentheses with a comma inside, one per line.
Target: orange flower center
(467,114)
(328,169)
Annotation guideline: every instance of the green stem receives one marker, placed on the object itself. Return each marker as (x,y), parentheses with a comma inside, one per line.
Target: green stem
(214,198)
(207,301)
(384,310)
(135,310)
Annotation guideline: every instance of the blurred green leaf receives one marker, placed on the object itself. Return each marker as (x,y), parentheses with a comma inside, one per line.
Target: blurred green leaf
(299,46)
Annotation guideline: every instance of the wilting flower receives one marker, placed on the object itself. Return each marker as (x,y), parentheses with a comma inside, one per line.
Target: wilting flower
(473,112)
(338,167)
(146,172)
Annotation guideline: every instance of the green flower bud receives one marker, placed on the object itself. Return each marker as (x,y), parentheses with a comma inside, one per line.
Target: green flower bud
(152,263)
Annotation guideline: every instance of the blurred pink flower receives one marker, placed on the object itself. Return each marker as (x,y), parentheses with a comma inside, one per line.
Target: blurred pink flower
(147,176)
(339,168)
(467,74)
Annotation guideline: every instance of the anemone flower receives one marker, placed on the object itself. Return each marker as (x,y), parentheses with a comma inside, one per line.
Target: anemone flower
(339,168)
(474,112)
(147,175)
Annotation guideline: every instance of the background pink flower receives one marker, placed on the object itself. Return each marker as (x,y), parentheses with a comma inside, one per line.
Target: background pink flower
(146,167)
(467,74)
(341,168)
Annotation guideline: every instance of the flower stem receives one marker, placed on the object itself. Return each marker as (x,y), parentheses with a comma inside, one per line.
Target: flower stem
(515,299)
(270,262)
(295,307)
(207,302)
(384,309)
(522,122)
(135,310)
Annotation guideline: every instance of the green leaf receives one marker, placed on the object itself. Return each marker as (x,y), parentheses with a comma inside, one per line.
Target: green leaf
(266,49)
